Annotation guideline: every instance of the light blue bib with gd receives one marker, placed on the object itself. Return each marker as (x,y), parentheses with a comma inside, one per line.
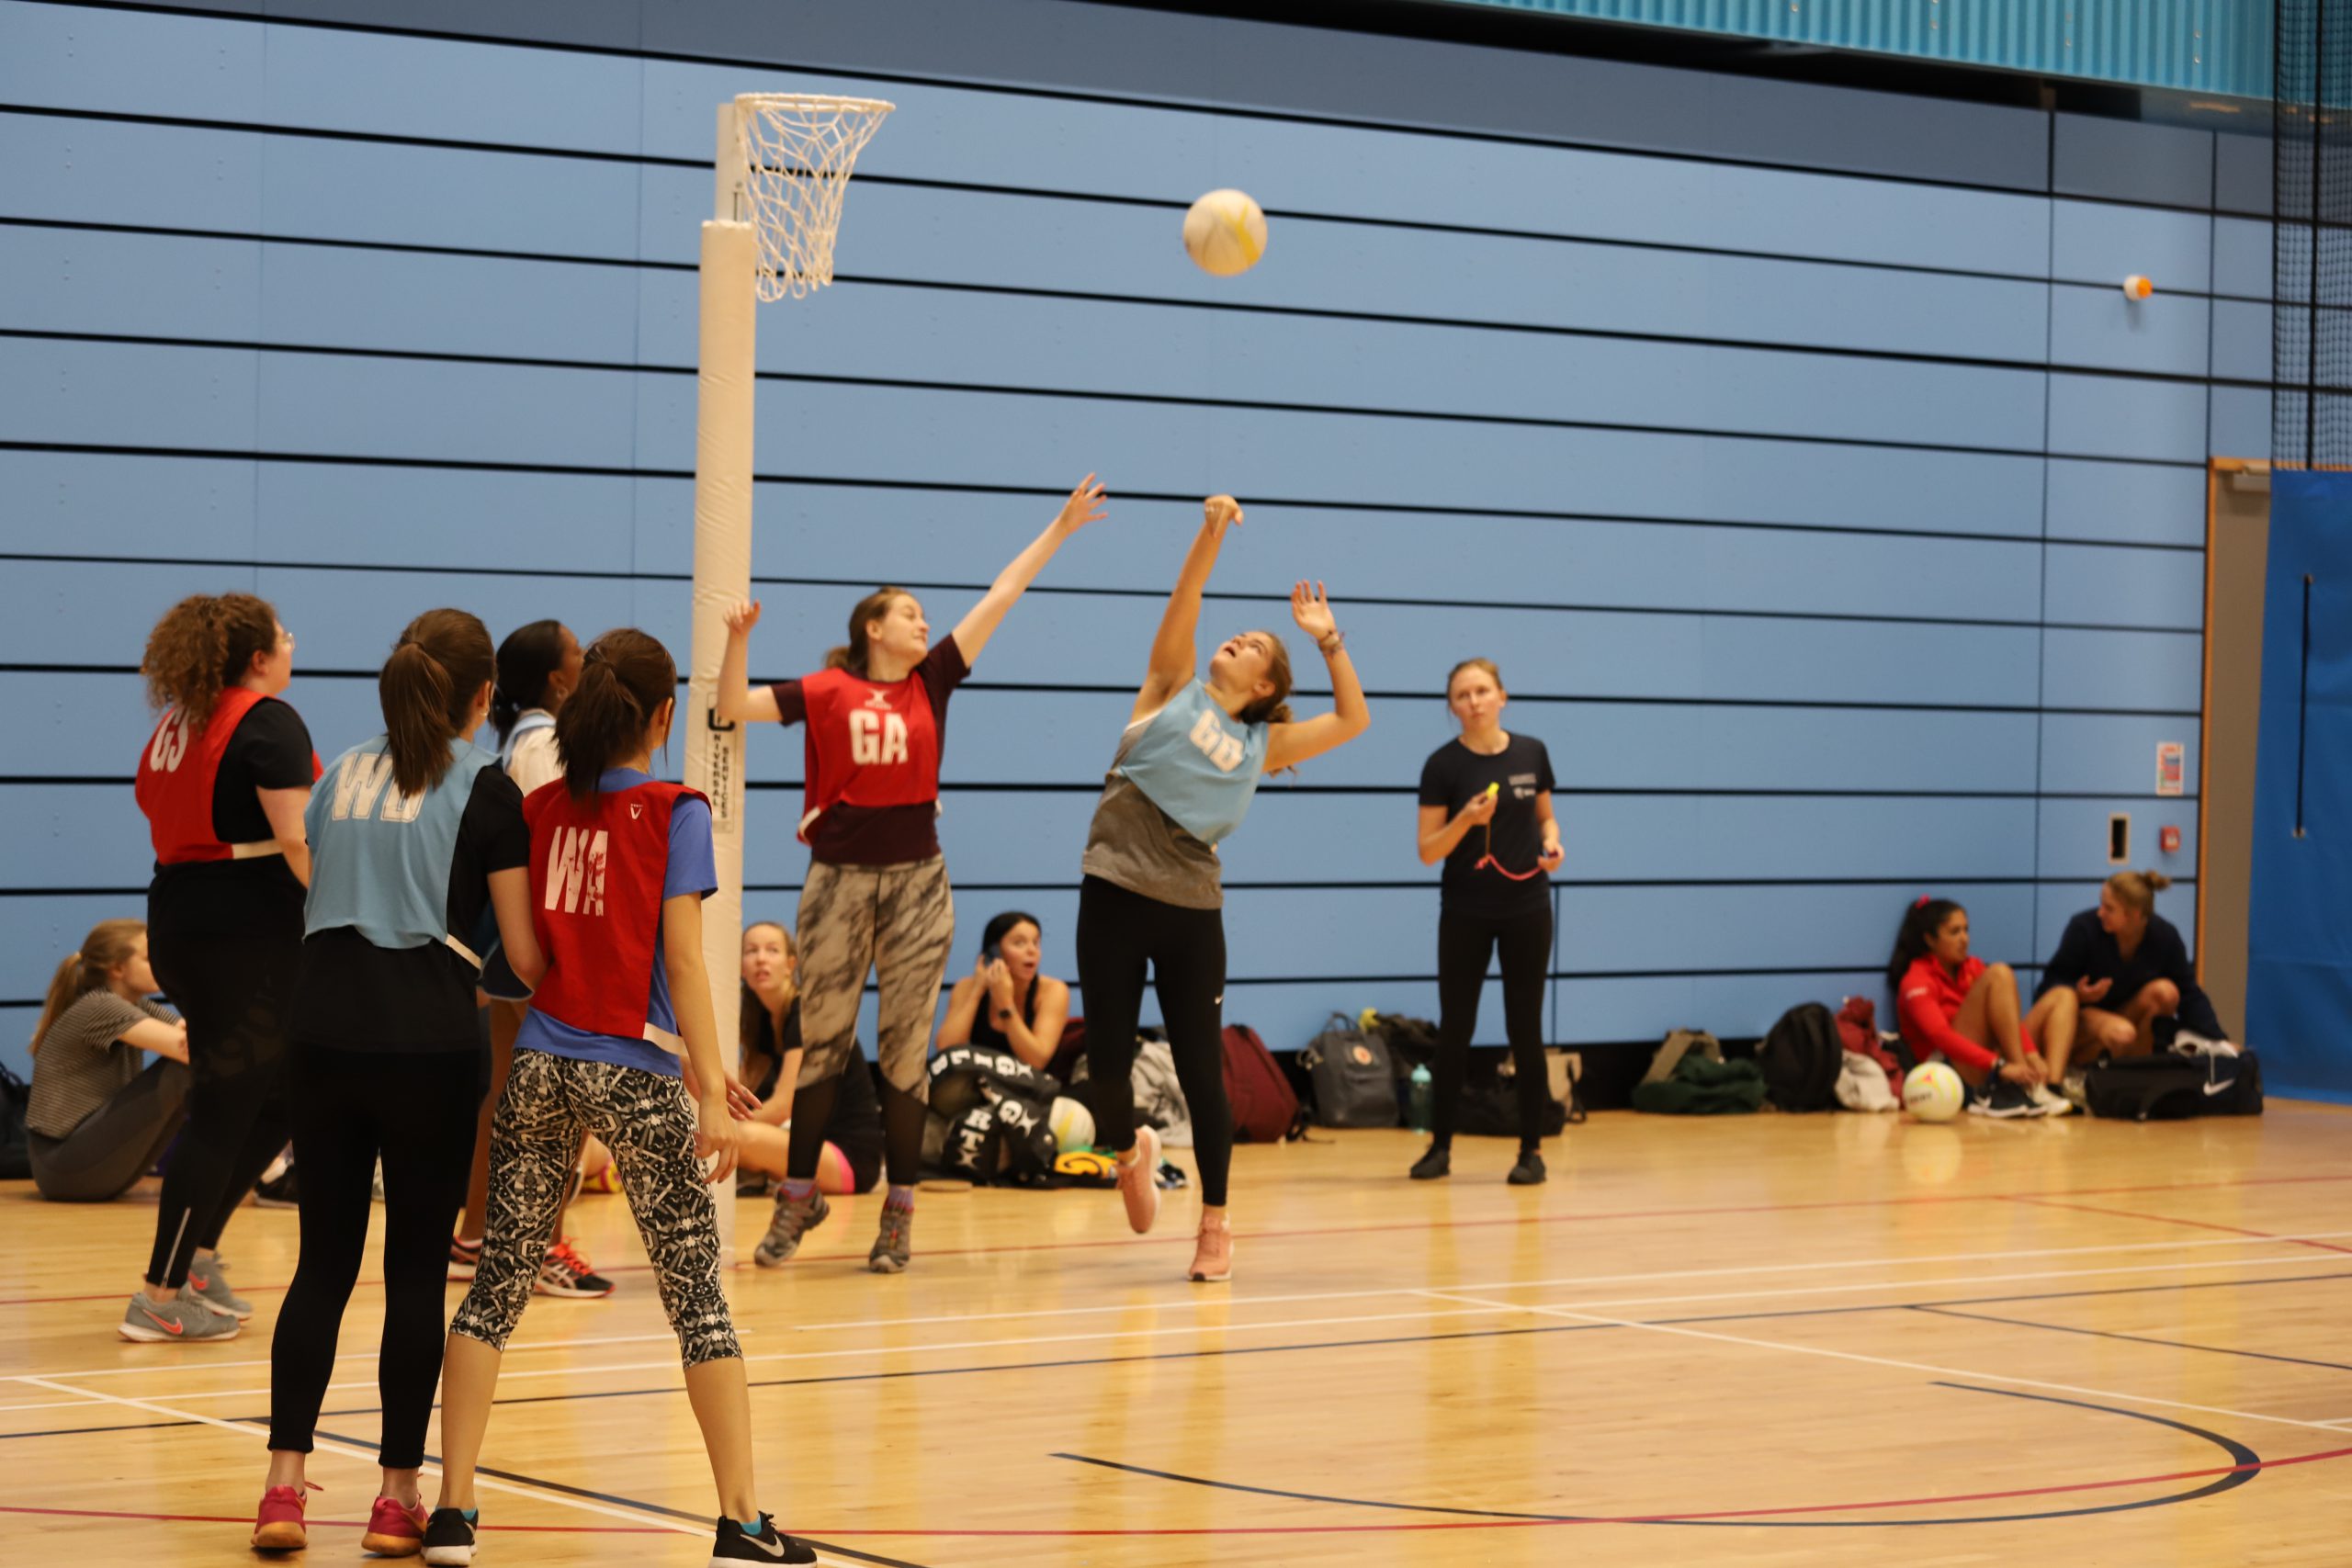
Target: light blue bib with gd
(1197,763)
(381,860)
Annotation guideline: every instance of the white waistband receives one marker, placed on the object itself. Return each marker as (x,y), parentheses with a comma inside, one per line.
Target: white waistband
(673,1043)
(462,950)
(255,852)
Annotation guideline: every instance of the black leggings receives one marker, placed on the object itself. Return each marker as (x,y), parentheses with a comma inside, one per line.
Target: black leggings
(812,1120)
(118,1143)
(235,993)
(417,1112)
(1119,933)
(1466,942)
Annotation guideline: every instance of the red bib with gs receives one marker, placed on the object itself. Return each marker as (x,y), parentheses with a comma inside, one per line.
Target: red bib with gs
(597,869)
(176,776)
(869,744)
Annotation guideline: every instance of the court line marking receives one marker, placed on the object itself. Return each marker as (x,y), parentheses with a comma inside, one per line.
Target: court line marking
(2128,1339)
(371,1460)
(2176,1220)
(665,1338)
(1196,1301)
(324,1524)
(1573,1315)
(1468,1309)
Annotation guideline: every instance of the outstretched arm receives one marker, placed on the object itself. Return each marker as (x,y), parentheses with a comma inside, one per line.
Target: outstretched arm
(1287,745)
(1172,650)
(972,632)
(737,702)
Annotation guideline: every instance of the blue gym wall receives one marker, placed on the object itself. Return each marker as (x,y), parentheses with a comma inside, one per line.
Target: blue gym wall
(1834,519)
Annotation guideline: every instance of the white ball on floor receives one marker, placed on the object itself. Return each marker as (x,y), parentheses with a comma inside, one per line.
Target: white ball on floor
(1933,1092)
(1073,1124)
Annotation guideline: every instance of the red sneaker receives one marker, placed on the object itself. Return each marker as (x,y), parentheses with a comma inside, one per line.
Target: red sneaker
(394,1528)
(279,1525)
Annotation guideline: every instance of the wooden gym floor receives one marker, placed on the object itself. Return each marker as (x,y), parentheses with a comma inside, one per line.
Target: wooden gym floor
(1829,1339)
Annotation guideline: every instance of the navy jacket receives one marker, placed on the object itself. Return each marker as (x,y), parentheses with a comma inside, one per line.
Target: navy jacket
(2088,953)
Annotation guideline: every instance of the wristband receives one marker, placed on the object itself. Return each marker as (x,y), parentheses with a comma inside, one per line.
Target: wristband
(1332,645)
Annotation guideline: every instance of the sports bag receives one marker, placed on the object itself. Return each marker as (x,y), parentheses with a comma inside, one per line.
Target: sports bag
(965,1076)
(1355,1082)
(16,1142)
(1801,1058)
(2167,1087)
(1265,1111)
(1008,1140)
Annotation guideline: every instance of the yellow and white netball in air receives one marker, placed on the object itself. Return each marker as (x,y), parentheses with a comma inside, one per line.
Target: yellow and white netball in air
(1225,232)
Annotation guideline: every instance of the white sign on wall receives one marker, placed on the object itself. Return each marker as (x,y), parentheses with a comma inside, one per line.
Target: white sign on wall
(2172,767)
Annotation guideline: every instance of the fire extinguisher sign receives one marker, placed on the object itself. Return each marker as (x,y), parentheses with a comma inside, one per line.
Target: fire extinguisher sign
(2172,767)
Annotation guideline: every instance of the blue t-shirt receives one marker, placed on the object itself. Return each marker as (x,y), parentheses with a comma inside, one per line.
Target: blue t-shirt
(691,869)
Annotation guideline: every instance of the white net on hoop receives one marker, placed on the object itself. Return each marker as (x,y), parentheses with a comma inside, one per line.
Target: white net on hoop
(798,150)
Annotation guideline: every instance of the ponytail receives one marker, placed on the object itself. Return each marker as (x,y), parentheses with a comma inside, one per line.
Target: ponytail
(106,949)
(2138,889)
(526,661)
(204,645)
(1921,921)
(625,677)
(427,691)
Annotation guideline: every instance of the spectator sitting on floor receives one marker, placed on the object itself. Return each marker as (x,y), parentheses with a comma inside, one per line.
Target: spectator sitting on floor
(1961,1008)
(2127,967)
(770,1031)
(1006,1002)
(100,1117)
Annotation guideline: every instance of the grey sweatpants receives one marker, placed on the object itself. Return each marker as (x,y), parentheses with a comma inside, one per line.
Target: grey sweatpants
(896,921)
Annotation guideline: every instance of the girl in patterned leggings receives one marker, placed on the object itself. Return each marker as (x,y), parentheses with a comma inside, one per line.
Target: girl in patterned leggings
(621,865)
(876,899)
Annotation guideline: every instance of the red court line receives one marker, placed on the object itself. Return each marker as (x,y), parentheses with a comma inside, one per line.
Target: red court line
(2178,1220)
(1610,1217)
(329,1524)
(1625,1518)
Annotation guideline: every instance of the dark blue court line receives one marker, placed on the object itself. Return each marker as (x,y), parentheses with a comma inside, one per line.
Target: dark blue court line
(2135,1338)
(681,1513)
(1063,1363)
(2246,1465)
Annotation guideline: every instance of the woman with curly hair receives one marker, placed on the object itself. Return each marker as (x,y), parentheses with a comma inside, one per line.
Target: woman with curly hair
(223,782)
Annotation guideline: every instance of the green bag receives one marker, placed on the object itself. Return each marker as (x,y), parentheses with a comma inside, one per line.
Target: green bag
(1700,1085)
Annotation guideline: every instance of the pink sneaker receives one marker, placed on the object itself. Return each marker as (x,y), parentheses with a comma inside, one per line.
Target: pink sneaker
(278,1526)
(394,1528)
(1213,1256)
(1139,1182)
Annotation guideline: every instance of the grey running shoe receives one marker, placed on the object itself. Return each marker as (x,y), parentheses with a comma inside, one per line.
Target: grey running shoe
(892,1247)
(795,1218)
(1529,1171)
(186,1316)
(210,1280)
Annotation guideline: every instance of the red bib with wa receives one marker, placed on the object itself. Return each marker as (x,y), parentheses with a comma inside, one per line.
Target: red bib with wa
(176,775)
(868,744)
(597,869)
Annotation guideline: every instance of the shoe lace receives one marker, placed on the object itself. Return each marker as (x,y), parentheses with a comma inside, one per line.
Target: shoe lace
(564,1256)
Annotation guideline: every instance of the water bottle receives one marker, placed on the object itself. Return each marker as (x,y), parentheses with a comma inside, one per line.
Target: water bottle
(1418,1099)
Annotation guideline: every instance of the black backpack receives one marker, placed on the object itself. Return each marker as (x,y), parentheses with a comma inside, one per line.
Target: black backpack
(1802,1057)
(16,1142)
(2165,1087)
(1355,1086)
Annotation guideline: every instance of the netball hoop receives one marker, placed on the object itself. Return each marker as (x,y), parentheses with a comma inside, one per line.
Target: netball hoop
(782,171)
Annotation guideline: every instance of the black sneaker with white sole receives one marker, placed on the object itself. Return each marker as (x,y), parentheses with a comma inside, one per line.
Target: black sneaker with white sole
(736,1544)
(2001,1098)
(450,1537)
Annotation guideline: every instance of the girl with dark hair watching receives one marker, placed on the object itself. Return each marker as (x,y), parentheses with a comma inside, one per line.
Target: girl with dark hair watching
(538,667)
(620,1042)
(1186,769)
(99,1118)
(1485,811)
(1007,1002)
(768,1027)
(1963,1010)
(2125,967)
(416,835)
(222,783)
(876,900)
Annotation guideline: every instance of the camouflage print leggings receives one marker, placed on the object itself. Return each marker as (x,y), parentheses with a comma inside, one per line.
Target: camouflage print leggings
(895,921)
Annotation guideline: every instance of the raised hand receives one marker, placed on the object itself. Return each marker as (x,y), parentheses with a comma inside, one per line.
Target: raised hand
(1311,608)
(1084,505)
(741,616)
(1222,511)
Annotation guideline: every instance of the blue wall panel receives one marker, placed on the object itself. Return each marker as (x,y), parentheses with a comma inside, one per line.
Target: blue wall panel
(1800,507)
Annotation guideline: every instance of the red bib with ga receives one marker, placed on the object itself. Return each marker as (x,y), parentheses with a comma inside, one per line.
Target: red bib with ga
(868,744)
(176,776)
(596,873)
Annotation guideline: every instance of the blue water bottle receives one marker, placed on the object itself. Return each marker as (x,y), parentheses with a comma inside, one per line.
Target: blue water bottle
(1418,1099)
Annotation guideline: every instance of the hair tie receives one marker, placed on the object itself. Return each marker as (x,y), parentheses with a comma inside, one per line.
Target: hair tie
(1922,903)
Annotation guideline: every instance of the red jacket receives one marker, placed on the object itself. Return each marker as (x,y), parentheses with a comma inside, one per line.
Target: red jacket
(1927,1002)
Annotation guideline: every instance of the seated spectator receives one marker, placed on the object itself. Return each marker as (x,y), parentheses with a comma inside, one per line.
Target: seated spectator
(100,1116)
(1005,1002)
(2127,967)
(769,1031)
(1965,1012)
